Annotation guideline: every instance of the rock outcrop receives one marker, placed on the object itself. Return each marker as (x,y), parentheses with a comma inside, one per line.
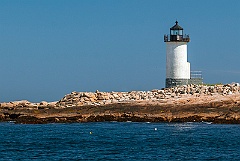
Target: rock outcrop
(218,104)
(102,98)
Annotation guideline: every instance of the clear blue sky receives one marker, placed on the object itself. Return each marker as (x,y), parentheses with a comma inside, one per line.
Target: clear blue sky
(49,48)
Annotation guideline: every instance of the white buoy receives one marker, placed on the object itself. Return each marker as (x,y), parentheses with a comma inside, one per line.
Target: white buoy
(155,129)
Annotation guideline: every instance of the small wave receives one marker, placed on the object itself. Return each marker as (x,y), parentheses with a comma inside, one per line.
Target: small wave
(184,126)
(11,121)
(208,123)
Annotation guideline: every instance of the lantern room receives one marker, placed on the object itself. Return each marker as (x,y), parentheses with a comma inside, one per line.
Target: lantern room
(176,34)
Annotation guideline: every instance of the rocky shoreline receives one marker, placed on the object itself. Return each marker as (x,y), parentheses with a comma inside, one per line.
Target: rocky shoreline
(190,103)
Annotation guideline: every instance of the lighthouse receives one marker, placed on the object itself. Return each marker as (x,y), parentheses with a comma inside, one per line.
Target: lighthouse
(177,65)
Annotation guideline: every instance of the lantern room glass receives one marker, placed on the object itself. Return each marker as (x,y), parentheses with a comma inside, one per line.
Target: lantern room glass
(176,32)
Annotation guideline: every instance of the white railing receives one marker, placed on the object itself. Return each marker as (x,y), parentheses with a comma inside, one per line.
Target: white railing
(196,74)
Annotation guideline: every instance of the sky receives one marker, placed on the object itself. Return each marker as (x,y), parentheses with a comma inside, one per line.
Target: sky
(49,48)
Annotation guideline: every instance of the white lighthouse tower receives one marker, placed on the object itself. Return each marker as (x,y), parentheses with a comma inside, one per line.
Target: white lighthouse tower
(177,66)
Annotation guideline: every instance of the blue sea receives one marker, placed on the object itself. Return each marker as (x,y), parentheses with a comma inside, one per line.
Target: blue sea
(119,141)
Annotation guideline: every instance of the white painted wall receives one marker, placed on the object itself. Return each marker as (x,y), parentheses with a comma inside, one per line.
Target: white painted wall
(177,66)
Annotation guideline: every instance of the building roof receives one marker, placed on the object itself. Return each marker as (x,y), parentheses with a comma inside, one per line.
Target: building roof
(176,27)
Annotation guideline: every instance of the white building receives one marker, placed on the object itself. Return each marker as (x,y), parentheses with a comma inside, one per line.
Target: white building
(177,65)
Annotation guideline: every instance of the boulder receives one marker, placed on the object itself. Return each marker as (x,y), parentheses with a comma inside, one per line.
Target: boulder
(43,103)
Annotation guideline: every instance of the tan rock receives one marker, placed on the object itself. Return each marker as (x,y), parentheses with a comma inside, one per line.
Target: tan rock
(89,95)
(43,103)
(52,104)
(92,99)
(79,103)
(6,105)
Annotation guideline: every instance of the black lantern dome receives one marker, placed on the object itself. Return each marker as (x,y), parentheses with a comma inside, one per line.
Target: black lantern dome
(176,29)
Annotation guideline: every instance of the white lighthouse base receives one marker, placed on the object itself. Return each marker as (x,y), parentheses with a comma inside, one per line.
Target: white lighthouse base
(179,82)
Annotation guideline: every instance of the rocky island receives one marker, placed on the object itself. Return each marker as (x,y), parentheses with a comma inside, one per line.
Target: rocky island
(187,103)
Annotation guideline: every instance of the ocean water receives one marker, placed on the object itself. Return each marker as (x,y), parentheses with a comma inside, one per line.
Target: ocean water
(119,141)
